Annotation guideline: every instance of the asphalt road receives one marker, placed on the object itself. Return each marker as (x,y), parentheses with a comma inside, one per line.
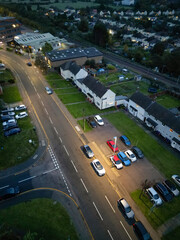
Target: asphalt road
(64,166)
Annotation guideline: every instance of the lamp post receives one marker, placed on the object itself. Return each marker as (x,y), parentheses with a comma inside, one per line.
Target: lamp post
(115,140)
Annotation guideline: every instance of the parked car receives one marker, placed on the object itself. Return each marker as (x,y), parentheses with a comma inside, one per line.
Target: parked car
(126,209)
(8,113)
(98,167)
(171,187)
(125,160)
(20,107)
(130,155)
(4,110)
(48,90)
(6,118)
(88,151)
(163,191)
(176,179)
(10,126)
(112,146)
(21,115)
(12,132)
(116,162)
(154,196)
(141,231)
(125,140)
(137,152)
(92,122)
(9,192)
(99,120)
(13,120)
(29,64)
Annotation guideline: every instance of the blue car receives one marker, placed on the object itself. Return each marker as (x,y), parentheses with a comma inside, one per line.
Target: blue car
(125,140)
(125,160)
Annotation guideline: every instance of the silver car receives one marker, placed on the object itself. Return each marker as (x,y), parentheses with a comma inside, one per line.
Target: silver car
(154,196)
(126,209)
(88,151)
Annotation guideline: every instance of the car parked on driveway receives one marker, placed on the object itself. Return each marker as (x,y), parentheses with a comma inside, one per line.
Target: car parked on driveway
(137,152)
(163,191)
(99,120)
(154,196)
(91,122)
(125,140)
(21,115)
(88,151)
(141,231)
(5,110)
(6,118)
(98,167)
(126,209)
(9,192)
(8,113)
(20,107)
(10,126)
(12,132)
(171,187)
(48,90)
(116,162)
(125,160)
(176,179)
(130,155)
(13,120)
(112,145)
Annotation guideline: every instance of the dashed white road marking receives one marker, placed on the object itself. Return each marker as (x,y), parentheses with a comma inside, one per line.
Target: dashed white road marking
(4,187)
(109,203)
(84,185)
(60,139)
(35,89)
(42,103)
(74,166)
(38,95)
(110,235)
(35,156)
(50,170)
(26,179)
(46,111)
(66,150)
(50,120)
(98,211)
(56,130)
(126,230)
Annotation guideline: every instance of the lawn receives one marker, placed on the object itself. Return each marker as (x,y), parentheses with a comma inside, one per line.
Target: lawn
(59,83)
(11,94)
(112,77)
(41,216)
(6,75)
(66,90)
(53,76)
(83,123)
(160,157)
(16,148)
(89,109)
(72,98)
(175,234)
(158,215)
(168,101)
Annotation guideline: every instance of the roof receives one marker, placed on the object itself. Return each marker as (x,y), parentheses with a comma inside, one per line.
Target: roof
(72,53)
(71,66)
(95,86)
(141,100)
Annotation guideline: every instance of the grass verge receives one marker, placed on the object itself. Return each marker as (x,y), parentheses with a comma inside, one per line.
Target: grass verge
(87,127)
(41,216)
(11,94)
(175,234)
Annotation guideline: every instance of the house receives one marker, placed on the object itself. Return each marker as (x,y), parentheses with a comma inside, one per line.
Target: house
(70,70)
(156,117)
(127,2)
(97,93)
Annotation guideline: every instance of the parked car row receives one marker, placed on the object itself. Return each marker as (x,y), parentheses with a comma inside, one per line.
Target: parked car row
(164,191)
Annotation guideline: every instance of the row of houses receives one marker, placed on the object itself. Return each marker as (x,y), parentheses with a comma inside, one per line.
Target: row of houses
(156,117)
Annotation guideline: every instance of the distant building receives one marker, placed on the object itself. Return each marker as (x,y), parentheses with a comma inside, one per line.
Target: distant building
(78,55)
(128,2)
(9,27)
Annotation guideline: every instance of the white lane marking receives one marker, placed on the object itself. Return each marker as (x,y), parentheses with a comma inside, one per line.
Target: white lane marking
(56,130)
(50,170)
(84,185)
(26,179)
(66,150)
(35,89)
(98,211)
(35,156)
(110,235)
(74,166)
(50,120)
(42,103)
(4,187)
(46,111)
(126,230)
(60,139)
(38,95)
(109,203)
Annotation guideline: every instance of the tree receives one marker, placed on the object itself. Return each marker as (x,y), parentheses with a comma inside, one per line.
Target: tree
(172,62)
(83,25)
(100,34)
(158,48)
(47,48)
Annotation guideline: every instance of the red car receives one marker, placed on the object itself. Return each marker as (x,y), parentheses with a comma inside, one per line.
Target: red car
(111,144)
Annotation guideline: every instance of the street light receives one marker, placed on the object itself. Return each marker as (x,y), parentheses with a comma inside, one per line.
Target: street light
(115,140)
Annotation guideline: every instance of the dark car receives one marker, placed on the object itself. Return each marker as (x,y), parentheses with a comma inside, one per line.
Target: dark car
(141,231)
(6,118)
(163,191)
(125,140)
(171,187)
(9,192)
(10,126)
(29,64)
(91,122)
(137,152)
(12,132)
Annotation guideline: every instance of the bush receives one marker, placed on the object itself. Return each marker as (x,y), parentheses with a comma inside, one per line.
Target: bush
(110,67)
(11,81)
(9,49)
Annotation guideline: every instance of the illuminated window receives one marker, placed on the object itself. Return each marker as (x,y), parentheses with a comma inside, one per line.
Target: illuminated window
(170,130)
